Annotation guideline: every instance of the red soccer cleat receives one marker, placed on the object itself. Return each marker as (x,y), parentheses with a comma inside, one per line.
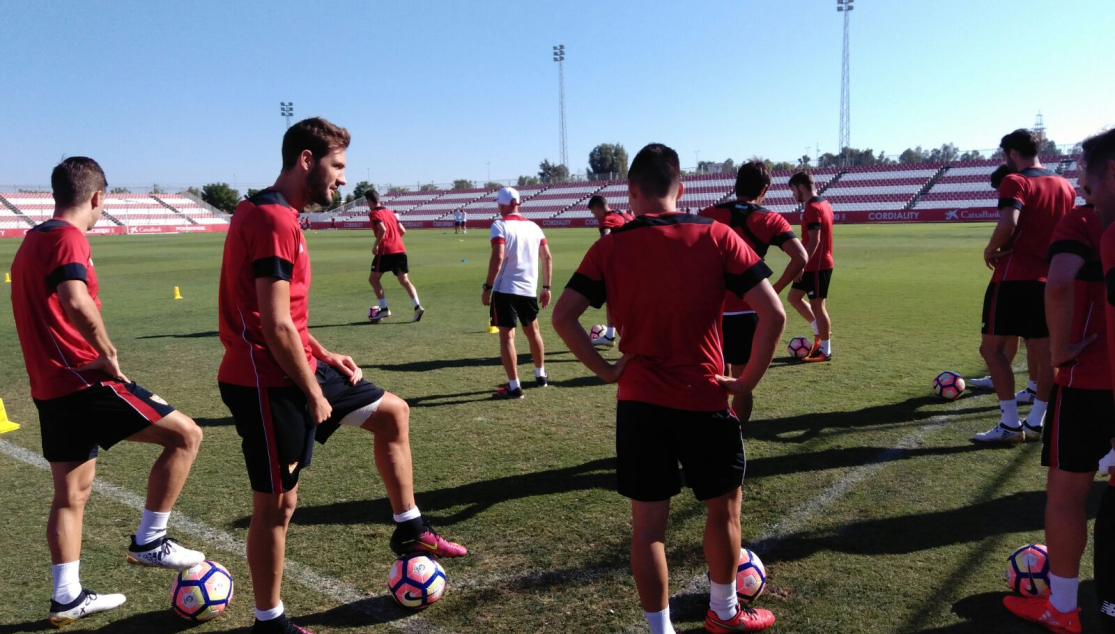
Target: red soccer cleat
(1039,610)
(746,620)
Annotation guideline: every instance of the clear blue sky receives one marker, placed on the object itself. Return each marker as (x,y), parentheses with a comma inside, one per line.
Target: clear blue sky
(184,93)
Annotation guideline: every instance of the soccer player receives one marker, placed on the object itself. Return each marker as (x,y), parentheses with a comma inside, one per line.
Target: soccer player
(389,254)
(672,400)
(1083,406)
(284,388)
(760,228)
(517,245)
(1031,203)
(816,227)
(84,399)
(457,221)
(607,221)
(464,221)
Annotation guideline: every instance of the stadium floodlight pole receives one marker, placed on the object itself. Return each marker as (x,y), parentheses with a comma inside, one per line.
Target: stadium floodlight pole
(286,108)
(845,7)
(559,57)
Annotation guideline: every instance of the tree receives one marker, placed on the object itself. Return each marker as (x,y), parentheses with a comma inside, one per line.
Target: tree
(194,191)
(463,183)
(492,185)
(551,173)
(971,155)
(527,181)
(396,190)
(155,189)
(120,190)
(337,200)
(947,153)
(221,196)
(912,155)
(803,162)
(428,187)
(608,158)
(1049,148)
(360,189)
(729,166)
(251,192)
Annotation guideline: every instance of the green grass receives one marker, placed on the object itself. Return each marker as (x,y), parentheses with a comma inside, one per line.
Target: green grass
(917,546)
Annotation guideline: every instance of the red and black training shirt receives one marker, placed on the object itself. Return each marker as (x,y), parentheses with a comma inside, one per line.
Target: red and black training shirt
(759,227)
(1042,198)
(264,240)
(392,241)
(683,262)
(614,220)
(1080,233)
(818,215)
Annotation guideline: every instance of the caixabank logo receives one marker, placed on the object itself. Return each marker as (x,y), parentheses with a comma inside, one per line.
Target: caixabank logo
(979,214)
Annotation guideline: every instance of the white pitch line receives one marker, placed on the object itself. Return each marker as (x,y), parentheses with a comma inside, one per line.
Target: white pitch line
(335,589)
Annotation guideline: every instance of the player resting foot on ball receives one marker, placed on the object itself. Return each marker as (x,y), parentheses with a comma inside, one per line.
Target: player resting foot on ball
(608,221)
(814,280)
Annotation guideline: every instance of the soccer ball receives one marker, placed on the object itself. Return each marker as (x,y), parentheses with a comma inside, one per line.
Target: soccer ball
(597,331)
(1028,571)
(751,576)
(799,347)
(948,385)
(416,581)
(201,593)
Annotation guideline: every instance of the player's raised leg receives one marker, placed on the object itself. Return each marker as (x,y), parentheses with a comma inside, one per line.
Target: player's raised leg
(404,281)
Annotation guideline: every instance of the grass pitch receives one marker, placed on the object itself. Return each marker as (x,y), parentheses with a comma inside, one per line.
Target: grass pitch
(864,497)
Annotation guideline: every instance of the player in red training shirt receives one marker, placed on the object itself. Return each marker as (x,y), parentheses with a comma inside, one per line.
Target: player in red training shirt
(1031,203)
(814,280)
(761,228)
(284,388)
(672,400)
(84,399)
(608,221)
(388,254)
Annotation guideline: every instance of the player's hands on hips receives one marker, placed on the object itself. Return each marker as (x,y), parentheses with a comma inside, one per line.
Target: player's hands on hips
(319,409)
(734,386)
(346,366)
(110,365)
(1063,357)
(616,369)
(486,298)
(545,298)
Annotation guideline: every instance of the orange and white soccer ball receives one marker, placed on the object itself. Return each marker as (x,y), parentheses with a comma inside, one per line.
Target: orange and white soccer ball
(751,576)
(948,385)
(597,331)
(201,593)
(799,347)
(416,581)
(1028,571)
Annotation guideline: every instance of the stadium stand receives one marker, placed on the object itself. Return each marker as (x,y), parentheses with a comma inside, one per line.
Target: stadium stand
(121,210)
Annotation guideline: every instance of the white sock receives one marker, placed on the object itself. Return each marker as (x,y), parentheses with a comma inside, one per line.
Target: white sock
(67,584)
(816,330)
(610,332)
(1032,385)
(723,600)
(152,526)
(513,384)
(406,516)
(1062,592)
(383,303)
(659,622)
(539,372)
(1010,413)
(416,302)
(1037,413)
(272,614)
(826,346)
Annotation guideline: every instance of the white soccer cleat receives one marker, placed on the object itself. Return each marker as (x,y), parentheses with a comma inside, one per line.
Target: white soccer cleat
(1026,396)
(163,553)
(418,312)
(1002,434)
(604,341)
(86,604)
(1030,432)
(983,384)
(375,313)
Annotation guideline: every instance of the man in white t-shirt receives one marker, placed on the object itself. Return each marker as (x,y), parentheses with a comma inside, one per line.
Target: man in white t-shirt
(517,245)
(464,221)
(457,214)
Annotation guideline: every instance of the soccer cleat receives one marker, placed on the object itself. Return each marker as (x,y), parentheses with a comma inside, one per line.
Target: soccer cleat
(505,392)
(163,553)
(817,356)
(1001,433)
(87,603)
(542,381)
(746,620)
(604,341)
(281,625)
(404,540)
(983,384)
(418,312)
(375,313)
(816,345)
(1030,432)
(1039,610)
(1026,396)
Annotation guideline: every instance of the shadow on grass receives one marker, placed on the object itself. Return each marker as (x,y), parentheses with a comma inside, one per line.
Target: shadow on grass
(436,400)
(162,621)
(984,614)
(215,422)
(188,335)
(445,364)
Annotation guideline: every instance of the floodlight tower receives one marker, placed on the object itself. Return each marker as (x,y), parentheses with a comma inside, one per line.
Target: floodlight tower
(845,7)
(286,108)
(559,57)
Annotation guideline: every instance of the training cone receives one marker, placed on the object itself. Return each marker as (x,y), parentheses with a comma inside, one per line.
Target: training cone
(492,330)
(5,424)
(7,278)
(177,293)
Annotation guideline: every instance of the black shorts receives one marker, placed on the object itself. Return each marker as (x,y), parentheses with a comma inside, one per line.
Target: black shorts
(815,283)
(508,310)
(276,433)
(651,440)
(1078,429)
(74,425)
(739,332)
(459,223)
(1015,309)
(394,262)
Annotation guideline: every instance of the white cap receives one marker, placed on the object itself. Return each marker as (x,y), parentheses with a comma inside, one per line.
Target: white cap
(507,196)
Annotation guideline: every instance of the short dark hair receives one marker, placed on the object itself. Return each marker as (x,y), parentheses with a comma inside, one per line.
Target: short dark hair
(655,171)
(1023,141)
(372,196)
(75,180)
(999,174)
(1098,151)
(597,201)
(315,134)
(751,179)
(802,178)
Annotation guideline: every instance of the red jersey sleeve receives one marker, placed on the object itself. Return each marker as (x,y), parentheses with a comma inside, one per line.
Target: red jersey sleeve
(1072,236)
(68,260)
(272,244)
(588,280)
(1012,191)
(743,269)
(811,219)
(612,221)
(773,229)
(717,214)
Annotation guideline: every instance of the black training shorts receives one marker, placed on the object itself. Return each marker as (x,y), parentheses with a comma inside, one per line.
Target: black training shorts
(508,310)
(1078,429)
(1015,309)
(74,425)
(739,332)
(815,283)
(396,263)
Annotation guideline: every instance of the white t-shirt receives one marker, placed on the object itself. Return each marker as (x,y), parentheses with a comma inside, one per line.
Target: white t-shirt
(521,240)
(458,215)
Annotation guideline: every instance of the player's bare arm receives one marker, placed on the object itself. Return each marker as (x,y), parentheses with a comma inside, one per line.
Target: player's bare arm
(281,336)
(566,321)
(814,240)
(547,273)
(380,232)
(494,264)
(1000,238)
(343,363)
(798,258)
(81,311)
(768,334)
(1059,307)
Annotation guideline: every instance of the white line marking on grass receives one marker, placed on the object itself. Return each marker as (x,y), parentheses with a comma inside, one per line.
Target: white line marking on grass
(335,589)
